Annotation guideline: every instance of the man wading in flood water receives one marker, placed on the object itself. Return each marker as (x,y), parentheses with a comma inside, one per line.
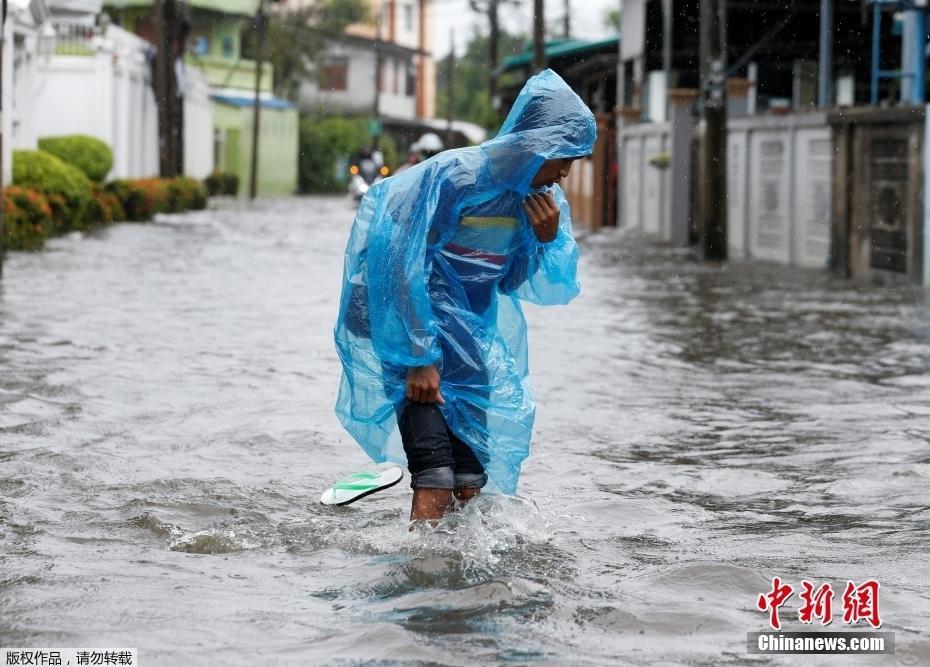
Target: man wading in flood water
(430,332)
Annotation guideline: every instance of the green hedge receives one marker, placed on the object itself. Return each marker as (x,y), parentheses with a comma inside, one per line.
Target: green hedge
(221,183)
(89,154)
(185,194)
(142,198)
(325,142)
(66,187)
(27,218)
(32,215)
(105,207)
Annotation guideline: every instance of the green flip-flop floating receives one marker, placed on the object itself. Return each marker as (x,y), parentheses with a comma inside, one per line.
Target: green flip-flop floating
(360,484)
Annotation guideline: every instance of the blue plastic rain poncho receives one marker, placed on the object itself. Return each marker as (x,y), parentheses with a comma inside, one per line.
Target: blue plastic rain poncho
(437,261)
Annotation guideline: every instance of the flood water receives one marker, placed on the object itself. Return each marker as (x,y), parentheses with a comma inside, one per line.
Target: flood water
(167,427)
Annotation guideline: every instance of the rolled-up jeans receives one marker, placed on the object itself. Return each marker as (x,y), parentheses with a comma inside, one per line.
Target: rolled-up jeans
(436,457)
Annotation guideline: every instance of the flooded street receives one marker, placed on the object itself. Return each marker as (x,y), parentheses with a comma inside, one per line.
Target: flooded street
(167,428)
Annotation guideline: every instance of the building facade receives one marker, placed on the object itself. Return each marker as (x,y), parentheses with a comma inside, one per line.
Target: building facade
(383,67)
(213,49)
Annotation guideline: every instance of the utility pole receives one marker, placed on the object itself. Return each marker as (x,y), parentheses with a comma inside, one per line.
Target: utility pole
(494,36)
(825,87)
(492,9)
(714,95)
(668,23)
(539,35)
(170,106)
(376,110)
(450,106)
(2,207)
(567,20)
(261,20)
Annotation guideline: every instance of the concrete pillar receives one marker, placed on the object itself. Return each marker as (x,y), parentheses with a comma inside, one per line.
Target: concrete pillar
(625,116)
(681,125)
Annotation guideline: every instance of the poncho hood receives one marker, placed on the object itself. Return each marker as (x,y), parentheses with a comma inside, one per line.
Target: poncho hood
(547,121)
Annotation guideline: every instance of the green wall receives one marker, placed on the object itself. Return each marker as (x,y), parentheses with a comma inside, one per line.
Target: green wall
(278,141)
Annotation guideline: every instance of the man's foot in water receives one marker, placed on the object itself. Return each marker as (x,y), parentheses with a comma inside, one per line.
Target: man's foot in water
(429,506)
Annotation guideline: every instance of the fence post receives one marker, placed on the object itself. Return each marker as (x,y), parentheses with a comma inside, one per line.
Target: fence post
(600,172)
(926,232)
(681,129)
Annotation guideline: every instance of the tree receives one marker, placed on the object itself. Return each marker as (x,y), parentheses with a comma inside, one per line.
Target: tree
(472,77)
(296,38)
(611,18)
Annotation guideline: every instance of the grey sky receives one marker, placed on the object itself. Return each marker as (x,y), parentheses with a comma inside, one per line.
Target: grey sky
(587,20)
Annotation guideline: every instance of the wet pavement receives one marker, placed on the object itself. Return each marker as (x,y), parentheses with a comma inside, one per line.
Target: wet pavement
(166,429)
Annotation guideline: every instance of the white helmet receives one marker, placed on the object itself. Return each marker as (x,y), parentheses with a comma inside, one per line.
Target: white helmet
(430,142)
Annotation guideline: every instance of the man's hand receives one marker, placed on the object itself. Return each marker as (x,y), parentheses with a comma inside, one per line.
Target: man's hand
(543,214)
(423,385)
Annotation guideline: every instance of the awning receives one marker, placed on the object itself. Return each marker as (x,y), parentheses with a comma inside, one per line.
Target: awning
(246,100)
(561,48)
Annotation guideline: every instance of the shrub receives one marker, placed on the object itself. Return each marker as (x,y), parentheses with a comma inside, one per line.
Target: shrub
(177,198)
(105,207)
(27,218)
(142,198)
(324,142)
(89,154)
(214,184)
(186,193)
(66,187)
(132,199)
(192,193)
(221,183)
(231,184)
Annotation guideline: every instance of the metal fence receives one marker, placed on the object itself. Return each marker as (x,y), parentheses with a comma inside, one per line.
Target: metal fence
(75,39)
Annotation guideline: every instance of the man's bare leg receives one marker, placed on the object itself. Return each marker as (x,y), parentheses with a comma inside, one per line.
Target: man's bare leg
(430,504)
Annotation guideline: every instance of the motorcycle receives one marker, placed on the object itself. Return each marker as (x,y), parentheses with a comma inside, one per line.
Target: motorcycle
(364,173)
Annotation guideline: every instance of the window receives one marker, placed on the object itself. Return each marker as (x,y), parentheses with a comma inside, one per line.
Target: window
(408,18)
(202,46)
(411,87)
(229,49)
(335,74)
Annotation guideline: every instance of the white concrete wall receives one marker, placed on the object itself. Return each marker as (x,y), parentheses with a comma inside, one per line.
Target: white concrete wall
(18,79)
(780,187)
(133,125)
(75,95)
(22,103)
(198,126)
(645,189)
(6,91)
(108,95)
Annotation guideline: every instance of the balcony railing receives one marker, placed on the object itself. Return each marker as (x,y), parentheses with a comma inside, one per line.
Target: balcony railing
(75,39)
(228,73)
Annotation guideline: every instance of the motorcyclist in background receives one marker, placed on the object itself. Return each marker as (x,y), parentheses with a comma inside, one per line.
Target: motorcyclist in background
(367,168)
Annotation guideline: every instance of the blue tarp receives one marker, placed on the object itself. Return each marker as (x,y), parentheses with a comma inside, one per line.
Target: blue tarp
(438,260)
